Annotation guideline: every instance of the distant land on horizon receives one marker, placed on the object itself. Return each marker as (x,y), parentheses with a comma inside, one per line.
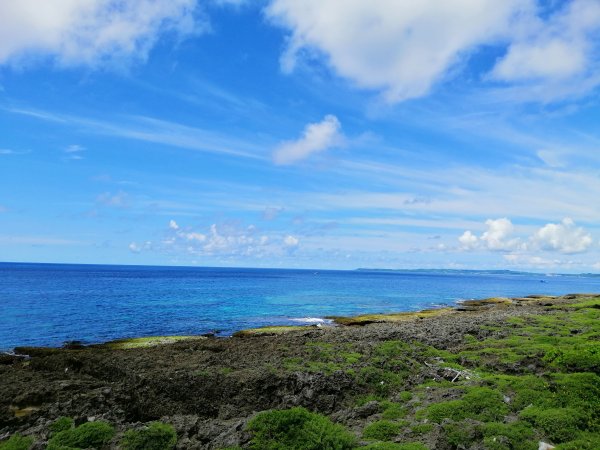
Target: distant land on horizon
(359,269)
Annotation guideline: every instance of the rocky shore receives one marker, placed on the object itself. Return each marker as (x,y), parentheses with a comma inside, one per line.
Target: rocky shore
(390,380)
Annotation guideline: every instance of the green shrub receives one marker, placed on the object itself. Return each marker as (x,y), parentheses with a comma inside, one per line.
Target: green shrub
(297,429)
(585,441)
(454,409)
(382,430)
(17,442)
(559,424)
(484,404)
(393,446)
(461,434)
(577,390)
(88,435)
(405,396)
(157,436)
(393,410)
(582,358)
(512,436)
(62,424)
(422,428)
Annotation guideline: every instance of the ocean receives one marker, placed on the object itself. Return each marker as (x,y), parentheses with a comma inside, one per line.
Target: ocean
(48,304)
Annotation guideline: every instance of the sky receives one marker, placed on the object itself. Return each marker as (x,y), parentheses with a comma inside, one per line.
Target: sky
(339,134)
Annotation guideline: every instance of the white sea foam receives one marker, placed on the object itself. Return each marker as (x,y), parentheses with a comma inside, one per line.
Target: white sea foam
(312,320)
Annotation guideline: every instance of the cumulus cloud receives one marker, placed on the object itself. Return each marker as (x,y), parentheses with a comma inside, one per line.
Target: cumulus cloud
(317,137)
(291,241)
(564,237)
(226,240)
(532,261)
(558,48)
(401,48)
(497,237)
(91,32)
(468,240)
(134,247)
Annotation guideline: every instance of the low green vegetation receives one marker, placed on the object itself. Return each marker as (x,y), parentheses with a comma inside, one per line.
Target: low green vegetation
(382,430)
(62,424)
(90,435)
(17,442)
(506,386)
(394,446)
(151,341)
(390,318)
(156,436)
(297,429)
(275,330)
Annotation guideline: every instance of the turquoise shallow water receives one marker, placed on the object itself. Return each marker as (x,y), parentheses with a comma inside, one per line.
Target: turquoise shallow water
(48,304)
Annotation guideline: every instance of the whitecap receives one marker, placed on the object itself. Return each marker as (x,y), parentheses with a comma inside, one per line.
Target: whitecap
(311,320)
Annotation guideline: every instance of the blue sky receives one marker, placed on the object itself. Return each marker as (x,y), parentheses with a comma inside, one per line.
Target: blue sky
(301,133)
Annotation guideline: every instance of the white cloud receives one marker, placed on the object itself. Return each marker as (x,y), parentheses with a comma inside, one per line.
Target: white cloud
(196,237)
(556,56)
(271,213)
(134,247)
(495,238)
(317,137)
(291,241)
(118,200)
(8,151)
(564,237)
(401,48)
(91,32)
(75,148)
(173,225)
(468,241)
(551,59)
(531,261)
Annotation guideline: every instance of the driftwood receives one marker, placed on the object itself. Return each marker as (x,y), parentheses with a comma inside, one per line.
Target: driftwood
(448,373)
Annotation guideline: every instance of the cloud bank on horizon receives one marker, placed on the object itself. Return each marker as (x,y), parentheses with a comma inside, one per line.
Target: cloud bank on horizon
(300,133)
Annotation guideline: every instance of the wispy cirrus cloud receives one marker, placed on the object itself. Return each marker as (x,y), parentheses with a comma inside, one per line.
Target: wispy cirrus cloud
(151,129)
(9,151)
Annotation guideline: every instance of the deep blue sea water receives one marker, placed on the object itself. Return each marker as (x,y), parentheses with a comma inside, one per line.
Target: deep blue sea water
(48,304)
